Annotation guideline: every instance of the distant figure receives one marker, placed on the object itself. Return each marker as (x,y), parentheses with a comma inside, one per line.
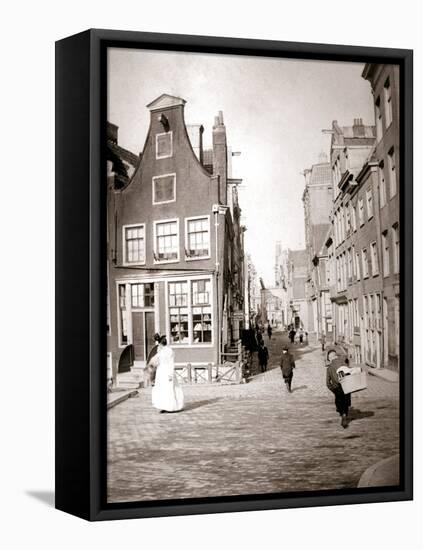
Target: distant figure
(153,352)
(291,335)
(259,337)
(301,335)
(287,367)
(167,395)
(263,357)
(269,331)
(323,341)
(335,360)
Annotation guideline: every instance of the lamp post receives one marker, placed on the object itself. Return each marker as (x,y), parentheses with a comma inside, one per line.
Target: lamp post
(218,209)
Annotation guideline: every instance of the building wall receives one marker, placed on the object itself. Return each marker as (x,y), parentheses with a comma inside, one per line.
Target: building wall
(387,142)
(189,291)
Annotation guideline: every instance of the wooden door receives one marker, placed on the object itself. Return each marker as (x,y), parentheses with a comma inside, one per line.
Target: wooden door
(149,332)
(138,335)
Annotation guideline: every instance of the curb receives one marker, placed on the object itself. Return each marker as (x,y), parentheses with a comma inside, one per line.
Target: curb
(123,397)
(384,374)
(384,473)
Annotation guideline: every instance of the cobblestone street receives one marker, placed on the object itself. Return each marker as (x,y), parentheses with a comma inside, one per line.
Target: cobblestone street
(251,438)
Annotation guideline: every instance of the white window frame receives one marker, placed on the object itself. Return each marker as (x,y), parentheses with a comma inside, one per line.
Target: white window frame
(374,259)
(387,102)
(386,254)
(156,255)
(171,145)
(353,218)
(124,256)
(153,181)
(190,343)
(122,345)
(365,263)
(360,205)
(392,173)
(369,195)
(378,117)
(193,218)
(357,266)
(382,184)
(396,247)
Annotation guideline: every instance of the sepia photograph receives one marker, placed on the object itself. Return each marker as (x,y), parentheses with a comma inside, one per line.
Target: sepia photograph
(253,275)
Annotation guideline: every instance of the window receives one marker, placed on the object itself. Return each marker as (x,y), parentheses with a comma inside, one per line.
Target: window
(356,316)
(166,241)
(369,202)
(365,263)
(392,173)
(348,218)
(164,189)
(201,311)
(387,97)
(396,247)
(190,311)
(357,265)
(178,312)
(353,218)
(385,253)
(374,259)
(349,265)
(123,327)
(142,295)
(335,228)
(361,212)
(382,185)
(197,238)
(134,244)
(164,145)
(378,119)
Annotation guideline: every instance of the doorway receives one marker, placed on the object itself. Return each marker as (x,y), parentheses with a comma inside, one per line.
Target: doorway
(142,333)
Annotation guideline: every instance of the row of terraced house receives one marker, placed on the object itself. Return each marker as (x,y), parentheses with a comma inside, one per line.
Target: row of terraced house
(352,236)
(176,261)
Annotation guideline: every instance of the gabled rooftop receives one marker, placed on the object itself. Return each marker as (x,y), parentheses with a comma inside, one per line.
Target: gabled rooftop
(165,101)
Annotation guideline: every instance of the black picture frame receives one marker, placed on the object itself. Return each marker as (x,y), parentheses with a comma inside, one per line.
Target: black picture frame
(80,272)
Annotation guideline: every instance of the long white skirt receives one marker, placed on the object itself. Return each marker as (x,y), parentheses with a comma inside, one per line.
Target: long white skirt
(167,394)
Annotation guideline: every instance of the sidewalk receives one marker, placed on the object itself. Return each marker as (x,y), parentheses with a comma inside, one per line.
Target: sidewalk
(382,474)
(119,395)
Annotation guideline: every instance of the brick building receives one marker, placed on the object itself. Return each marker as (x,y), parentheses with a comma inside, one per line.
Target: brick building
(291,281)
(317,201)
(384,82)
(353,244)
(175,254)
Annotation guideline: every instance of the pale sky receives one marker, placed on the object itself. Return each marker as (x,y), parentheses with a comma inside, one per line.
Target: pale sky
(274,111)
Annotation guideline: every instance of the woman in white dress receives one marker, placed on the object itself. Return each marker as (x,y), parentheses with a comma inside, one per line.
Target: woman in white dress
(166,395)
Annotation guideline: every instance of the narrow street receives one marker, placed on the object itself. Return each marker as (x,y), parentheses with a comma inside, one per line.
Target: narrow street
(251,438)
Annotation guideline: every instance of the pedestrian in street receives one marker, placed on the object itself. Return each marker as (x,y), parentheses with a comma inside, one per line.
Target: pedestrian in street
(263,357)
(291,335)
(269,331)
(301,335)
(259,337)
(323,341)
(287,367)
(153,352)
(337,358)
(167,395)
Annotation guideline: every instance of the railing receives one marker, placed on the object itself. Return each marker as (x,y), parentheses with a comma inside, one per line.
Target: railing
(230,370)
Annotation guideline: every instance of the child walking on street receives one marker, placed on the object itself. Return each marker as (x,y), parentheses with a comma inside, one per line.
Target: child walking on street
(287,367)
(263,356)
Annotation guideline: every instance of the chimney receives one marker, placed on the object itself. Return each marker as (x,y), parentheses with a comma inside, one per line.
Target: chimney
(358,128)
(195,134)
(220,161)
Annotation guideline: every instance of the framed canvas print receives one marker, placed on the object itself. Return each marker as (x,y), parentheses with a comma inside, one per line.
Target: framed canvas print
(234,274)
